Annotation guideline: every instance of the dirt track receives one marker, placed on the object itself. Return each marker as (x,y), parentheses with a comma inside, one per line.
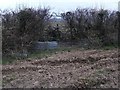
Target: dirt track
(90,68)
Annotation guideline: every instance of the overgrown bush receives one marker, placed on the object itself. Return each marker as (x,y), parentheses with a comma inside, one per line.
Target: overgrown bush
(90,24)
(22,28)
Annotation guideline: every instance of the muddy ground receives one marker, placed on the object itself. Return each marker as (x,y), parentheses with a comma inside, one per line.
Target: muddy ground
(76,68)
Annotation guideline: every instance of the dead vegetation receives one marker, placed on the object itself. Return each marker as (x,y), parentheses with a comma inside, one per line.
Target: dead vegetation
(74,69)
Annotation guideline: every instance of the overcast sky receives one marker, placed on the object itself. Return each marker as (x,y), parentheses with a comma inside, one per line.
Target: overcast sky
(60,5)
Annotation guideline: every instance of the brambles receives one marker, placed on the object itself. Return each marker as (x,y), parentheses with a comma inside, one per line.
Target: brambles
(22,28)
(97,26)
(86,28)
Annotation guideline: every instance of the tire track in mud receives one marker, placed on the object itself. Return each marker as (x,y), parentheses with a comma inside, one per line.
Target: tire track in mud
(66,65)
(91,58)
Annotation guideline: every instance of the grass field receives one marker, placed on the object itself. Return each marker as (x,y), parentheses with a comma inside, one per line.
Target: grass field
(38,54)
(47,53)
